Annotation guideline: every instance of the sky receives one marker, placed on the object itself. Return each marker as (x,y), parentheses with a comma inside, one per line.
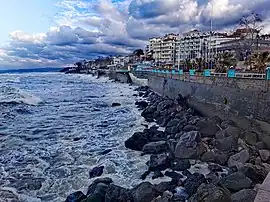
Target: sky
(56,33)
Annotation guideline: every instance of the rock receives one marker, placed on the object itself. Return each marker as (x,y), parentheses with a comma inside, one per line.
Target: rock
(264,154)
(96,171)
(256,173)
(166,104)
(246,195)
(119,194)
(186,173)
(145,174)
(173,122)
(266,141)
(239,159)
(215,157)
(171,143)
(236,181)
(189,146)
(174,175)
(250,137)
(207,128)
(227,144)
(116,104)
(193,182)
(180,164)
(210,193)
(144,192)
(75,197)
(158,162)
(213,178)
(172,130)
(92,188)
(232,131)
(141,104)
(155,147)
(105,152)
(136,141)
(260,146)
(157,174)
(189,128)
(165,186)
(75,139)
(215,168)
(227,123)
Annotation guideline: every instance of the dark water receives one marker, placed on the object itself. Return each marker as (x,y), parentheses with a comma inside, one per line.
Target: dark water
(41,114)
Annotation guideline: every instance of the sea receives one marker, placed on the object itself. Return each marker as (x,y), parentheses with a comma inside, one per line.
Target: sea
(54,129)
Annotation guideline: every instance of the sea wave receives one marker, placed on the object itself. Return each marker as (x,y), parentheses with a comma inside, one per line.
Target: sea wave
(12,95)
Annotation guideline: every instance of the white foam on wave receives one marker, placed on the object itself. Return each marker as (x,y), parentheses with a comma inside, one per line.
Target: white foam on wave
(14,95)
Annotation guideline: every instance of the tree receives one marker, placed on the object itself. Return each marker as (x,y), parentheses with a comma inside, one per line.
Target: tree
(225,60)
(138,52)
(258,61)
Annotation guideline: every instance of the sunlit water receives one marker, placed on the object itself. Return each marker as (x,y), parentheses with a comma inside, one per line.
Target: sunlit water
(41,114)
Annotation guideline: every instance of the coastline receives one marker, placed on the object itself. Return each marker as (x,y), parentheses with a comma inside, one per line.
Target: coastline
(198,154)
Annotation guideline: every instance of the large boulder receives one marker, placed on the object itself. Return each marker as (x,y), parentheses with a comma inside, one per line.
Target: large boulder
(236,181)
(93,187)
(245,195)
(210,193)
(141,104)
(215,157)
(207,128)
(180,164)
(193,182)
(144,192)
(239,159)
(227,144)
(165,104)
(159,162)
(155,147)
(165,186)
(96,171)
(264,154)
(8,196)
(250,137)
(255,172)
(137,141)
(189,146)
(75,197)
(119,194)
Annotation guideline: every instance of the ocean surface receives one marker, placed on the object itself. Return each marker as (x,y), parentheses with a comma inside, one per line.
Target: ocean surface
(53,128)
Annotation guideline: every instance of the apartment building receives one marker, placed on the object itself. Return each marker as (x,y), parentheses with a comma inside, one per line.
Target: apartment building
(163,48)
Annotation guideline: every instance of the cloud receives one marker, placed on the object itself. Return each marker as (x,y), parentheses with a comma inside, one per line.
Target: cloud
(86,29)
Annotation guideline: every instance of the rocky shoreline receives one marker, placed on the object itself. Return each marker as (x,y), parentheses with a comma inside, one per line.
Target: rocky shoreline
(207,159)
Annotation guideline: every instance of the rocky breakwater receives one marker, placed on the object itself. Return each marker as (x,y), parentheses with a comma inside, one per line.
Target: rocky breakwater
(206,159)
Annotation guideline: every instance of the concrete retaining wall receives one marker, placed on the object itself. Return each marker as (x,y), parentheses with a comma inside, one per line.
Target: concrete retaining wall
(220,96)
(138,81)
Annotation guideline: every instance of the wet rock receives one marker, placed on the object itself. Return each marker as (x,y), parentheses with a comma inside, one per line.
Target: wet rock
(173,122)
(193,182)
(92,188)
(144,192)
(145,174)
(141,104)
(236,181)
(189,146)
(158,162)
(75,197)
(239,159)
(180,164)
(171,143)
(246,195)
(142,88)
(136,141)
(26,183)
(264,154)
(215,157)
(76,139)
(115,193)
(166,104)
(157,174)
(166,197)
(254,172)
(155,147)
(207,128)
(96,171)
(215,168)
(210,193)
(165,186)
(174,175)
(227,144)
(250,137)
(189,128)
(213,177)
(186,173)
(116,104)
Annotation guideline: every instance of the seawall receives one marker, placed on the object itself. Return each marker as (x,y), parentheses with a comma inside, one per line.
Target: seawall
(233,97)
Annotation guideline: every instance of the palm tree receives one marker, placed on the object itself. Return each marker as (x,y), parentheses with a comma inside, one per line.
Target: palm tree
(258,61)
(225,60)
